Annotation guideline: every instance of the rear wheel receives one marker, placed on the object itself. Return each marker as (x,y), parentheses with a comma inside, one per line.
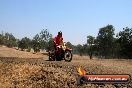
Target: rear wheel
(68,56)
(51,56)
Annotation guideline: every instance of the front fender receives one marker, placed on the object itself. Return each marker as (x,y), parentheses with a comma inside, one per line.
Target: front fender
(68,49)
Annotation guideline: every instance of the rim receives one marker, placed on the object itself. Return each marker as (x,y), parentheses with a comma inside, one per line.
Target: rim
(68,55)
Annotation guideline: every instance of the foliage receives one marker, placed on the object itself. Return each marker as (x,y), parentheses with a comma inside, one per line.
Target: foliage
(41,40)
(104,45)
(80,49)
(36,43)
(44,37)
(24,43)
(8,39)
(90,42)
(125,41)
(105,40)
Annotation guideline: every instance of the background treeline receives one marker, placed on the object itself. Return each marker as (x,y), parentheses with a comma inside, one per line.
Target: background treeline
(106,44)
(40,41)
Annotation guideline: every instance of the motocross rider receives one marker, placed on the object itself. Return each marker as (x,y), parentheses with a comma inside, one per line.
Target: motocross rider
(58,40)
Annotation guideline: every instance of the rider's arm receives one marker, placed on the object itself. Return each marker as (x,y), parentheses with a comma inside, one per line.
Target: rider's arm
(54,40)
(62,43)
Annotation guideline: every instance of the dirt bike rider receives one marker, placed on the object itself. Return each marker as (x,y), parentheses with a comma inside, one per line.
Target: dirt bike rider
(58,40)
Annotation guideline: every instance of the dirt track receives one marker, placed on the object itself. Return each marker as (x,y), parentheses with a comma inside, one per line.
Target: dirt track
(25,70)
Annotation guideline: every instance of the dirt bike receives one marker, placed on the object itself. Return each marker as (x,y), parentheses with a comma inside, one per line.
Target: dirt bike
(61,54)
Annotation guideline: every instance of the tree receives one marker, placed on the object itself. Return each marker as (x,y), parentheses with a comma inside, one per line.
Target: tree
(85,48)
(51,44)
(80,49)
(1,39)
(90,42)
(44,37)
(105,40)
(68,44)
(41,40)
(24,43)
(125,41)
(9,40)
(36,43)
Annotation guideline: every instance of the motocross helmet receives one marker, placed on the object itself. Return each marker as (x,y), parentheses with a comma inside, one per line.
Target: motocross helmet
(60,33)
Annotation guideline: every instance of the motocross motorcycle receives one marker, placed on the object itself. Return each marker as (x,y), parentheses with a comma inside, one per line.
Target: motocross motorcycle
(61,53)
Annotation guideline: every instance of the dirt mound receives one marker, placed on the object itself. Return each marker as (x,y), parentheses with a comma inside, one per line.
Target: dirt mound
(30,72)
(44,74)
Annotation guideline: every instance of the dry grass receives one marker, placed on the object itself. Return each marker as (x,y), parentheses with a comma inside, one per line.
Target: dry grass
(18,70)
(10,52)
(118,65)
(13,74)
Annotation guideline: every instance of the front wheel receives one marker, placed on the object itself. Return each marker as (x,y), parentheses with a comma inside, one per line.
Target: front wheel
(68,56)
